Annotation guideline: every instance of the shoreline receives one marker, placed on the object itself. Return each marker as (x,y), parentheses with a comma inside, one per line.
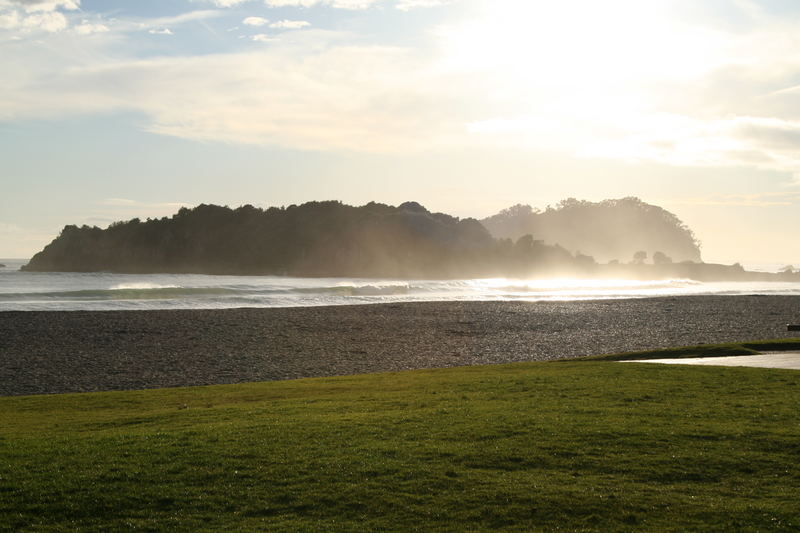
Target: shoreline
(44,352)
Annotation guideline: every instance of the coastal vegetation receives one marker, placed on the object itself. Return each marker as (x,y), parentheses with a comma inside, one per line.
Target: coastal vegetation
(331,239)
(609,230)
(312,239)
(578,445)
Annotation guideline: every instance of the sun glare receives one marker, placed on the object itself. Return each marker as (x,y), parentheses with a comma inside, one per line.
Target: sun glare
(582,57)
(579,41)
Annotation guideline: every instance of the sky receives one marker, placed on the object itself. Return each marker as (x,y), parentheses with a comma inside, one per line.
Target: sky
(113,109)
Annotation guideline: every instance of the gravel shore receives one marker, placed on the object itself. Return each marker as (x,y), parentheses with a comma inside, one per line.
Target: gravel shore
(75,351)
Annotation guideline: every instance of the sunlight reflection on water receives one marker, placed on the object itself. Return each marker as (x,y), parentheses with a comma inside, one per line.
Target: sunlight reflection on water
(99,291)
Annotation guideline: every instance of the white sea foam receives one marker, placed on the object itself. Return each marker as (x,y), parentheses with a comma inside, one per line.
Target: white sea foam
(142,285)
(99,291)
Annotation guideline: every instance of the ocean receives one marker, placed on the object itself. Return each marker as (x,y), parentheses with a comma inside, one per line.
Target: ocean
(59,291)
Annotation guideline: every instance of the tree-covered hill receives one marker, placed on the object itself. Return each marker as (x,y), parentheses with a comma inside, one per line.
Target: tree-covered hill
(313,239)
(607,230)
(331,239)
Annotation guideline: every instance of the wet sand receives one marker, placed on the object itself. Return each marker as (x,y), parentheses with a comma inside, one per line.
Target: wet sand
(53,352)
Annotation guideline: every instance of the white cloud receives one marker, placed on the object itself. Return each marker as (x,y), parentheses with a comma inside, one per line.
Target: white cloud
(768,199)
(10,20)
(30,16)
(87,28)
(46,17)
(361,99)
(290,24)
(32,6)
(407,5)
(292,3)
(761,142)
(318,92)
(49,21)
(687,94)
(339,4)
(129,203)
(229,3)
(189,16)
(772,133)
(262,38)
(9,228)
(311,93)
(255,21)
(403,5)
(678,140)
(352,4)
(161,25)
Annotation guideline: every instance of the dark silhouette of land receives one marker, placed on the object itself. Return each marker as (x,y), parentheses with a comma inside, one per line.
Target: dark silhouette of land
(321,239)
(608,230)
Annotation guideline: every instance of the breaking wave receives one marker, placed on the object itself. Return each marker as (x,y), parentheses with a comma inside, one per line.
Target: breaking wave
(121,294)
(104,291)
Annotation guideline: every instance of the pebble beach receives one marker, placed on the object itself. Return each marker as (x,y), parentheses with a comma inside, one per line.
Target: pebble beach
(79,351)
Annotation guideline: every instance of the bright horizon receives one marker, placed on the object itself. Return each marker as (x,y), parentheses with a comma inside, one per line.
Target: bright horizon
(111,110)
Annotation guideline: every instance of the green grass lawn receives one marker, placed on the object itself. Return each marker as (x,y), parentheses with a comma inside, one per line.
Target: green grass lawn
(585,445)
